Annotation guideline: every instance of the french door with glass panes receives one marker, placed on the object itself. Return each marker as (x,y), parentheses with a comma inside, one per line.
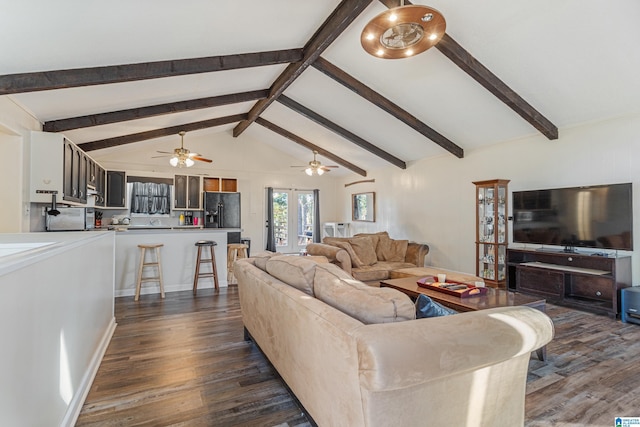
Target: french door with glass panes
(293,219)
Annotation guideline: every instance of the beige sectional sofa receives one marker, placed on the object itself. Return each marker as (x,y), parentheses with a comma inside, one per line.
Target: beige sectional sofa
(370,257)
(355,355)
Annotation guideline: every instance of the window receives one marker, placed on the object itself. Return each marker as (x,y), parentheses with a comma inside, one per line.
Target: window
(150,198)
(293,219)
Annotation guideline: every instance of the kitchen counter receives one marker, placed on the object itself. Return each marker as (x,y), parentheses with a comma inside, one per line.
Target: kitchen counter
(178,257)
(120,227)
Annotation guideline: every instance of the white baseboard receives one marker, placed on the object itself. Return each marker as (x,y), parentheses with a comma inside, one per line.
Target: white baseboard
(75,406)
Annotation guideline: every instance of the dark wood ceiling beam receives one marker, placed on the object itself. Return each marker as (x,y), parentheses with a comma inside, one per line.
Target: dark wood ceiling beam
(295,106)
(311,146)
(157,133)
(60,79)
(339,20)
(375,98)
(463,59)
(151,111)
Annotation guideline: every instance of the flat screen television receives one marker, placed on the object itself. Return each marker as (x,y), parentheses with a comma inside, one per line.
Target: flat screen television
(599,216)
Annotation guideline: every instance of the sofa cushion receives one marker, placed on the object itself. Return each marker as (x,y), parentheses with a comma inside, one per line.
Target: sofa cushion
(370,273)
(381,270)
(261,259)
(355,260)
(364,249)
(375,237)
(365,303)
(391,250)
(333,240)
(297,271)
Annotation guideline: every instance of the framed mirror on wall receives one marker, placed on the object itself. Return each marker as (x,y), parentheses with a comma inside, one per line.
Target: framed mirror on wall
(363,206)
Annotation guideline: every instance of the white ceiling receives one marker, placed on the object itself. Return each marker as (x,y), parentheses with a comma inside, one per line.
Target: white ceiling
(575,61)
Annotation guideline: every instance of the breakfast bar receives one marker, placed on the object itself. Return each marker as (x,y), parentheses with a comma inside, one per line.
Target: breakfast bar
(178,257)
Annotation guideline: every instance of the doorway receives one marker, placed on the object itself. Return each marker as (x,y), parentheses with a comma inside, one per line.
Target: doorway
(293,219)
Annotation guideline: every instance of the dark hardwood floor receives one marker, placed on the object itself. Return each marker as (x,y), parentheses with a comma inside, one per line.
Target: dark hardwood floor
(592,374)
(183,362)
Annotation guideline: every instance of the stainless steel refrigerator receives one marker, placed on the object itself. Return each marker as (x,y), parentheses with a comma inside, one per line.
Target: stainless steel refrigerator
(221,210)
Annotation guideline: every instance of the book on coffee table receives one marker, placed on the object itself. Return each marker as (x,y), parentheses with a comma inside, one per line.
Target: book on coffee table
(459,289)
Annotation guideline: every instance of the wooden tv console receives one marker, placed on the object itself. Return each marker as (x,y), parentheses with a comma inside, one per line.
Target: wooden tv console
(587,282)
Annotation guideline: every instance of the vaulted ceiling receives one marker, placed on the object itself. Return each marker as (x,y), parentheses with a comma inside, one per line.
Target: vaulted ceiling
(121,78)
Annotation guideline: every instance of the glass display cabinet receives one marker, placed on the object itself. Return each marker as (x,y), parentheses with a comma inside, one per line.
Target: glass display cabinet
(492,231)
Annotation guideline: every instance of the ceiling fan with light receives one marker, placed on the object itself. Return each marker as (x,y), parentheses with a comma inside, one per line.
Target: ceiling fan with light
(182,156)
(403,31)
(315,167)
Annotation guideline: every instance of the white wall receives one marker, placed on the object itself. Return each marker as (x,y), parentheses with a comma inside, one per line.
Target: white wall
(432,201)
(15,127)
(56,325)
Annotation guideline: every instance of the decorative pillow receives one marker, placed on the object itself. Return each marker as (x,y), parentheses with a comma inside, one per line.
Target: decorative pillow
(391,250)
(426,307)
(375,237)
(296,271)
(333,240)
(367,304)
(364,249)
(355,260)
(261,259)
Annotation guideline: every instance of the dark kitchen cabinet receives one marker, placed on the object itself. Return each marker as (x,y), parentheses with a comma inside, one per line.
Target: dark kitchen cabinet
(116,189)
(74,186)
(92,173)
(100,185)
(186,192)
(67,170)
(83,160)
(193,192)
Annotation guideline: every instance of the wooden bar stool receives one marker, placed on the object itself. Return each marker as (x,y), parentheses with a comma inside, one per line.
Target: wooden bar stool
(234,251)
(157,264)
(214,272)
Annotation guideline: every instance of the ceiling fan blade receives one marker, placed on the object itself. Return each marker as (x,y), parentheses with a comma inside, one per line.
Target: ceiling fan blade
(299,166)
(331,166)
(201,159)
(165,152)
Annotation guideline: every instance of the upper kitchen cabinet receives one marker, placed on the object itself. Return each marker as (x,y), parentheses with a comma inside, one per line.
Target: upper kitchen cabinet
(57,167)
(92,173)
(116,189)
(187,190)
(220,184)
(101,179)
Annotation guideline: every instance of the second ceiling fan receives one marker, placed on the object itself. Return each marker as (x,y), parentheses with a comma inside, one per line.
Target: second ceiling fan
(315,167)
(183,156)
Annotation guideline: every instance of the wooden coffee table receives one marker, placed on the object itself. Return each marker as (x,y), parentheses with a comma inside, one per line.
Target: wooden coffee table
(492,299)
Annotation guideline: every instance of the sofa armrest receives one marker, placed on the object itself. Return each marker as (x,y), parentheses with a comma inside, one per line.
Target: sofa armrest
(405,354)
(416,253)
(334,254)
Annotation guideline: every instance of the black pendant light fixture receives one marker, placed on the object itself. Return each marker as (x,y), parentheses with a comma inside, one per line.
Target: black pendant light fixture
(403,31)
